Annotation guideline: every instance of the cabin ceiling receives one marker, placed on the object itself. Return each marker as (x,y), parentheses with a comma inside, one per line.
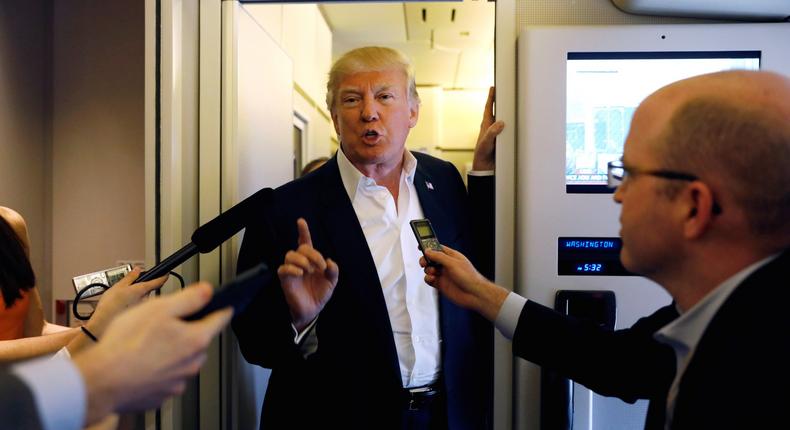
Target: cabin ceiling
(450,43)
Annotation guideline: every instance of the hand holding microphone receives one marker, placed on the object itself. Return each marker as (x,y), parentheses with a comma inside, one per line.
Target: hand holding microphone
(211,234)
(205,239)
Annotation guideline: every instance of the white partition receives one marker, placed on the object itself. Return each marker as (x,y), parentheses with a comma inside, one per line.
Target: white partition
(257,112)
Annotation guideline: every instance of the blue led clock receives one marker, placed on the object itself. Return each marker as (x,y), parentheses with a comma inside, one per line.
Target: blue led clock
(590,256)
(590,267)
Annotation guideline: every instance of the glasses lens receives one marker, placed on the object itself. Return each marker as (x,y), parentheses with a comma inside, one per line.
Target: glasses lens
(615,174)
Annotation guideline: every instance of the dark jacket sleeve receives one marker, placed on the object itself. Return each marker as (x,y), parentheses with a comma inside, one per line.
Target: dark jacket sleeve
(481,220)
(479,248)
(264,329)
(629,363)
(17,406)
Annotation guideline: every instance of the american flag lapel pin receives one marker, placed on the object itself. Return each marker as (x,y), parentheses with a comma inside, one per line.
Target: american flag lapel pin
(429,185)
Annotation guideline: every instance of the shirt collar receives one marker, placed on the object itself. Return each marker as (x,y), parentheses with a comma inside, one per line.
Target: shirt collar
(353,178)
(686,331)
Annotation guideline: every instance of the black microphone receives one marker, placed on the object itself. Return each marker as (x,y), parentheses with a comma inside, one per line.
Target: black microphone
(211,234)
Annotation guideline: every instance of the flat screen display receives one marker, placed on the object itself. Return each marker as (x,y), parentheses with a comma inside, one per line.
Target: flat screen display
(603,91)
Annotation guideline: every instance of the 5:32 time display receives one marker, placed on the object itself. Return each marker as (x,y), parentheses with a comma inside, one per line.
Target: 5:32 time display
(589,267)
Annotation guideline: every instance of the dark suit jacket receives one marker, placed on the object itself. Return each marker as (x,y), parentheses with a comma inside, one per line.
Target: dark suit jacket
(17,406)
(353,380)
(737,378)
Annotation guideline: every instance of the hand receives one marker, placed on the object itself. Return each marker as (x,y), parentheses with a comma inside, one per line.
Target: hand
(458,280)
(307,279)
(485,156)
(122,295)
(147,353)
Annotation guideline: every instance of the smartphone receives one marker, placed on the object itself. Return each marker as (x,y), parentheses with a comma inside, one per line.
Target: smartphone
(426,237)
(237,293)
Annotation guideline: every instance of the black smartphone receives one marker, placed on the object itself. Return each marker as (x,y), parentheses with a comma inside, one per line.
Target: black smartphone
(426,237)
(237,293)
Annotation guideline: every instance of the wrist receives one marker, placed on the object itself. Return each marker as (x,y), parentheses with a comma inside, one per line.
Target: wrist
(483,165)
(300,323)
(491,298)
(90,334)
(95,327)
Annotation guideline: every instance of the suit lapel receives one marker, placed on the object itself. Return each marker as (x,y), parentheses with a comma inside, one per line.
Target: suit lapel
(359,284)
(428,191)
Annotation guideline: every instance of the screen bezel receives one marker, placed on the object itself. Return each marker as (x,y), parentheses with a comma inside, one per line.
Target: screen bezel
(645,55)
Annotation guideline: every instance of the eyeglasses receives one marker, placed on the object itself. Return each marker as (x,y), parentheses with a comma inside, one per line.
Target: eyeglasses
(617,172)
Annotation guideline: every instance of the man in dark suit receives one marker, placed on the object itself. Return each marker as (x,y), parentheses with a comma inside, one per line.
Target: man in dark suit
(705,195)
(358,340)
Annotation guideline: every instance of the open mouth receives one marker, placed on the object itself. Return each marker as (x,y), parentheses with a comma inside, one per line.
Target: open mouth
(371,134)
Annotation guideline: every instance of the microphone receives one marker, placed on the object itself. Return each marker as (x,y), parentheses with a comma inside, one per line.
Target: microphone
(211,234)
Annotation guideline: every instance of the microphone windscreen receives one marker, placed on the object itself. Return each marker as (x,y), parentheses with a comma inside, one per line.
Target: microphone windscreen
(211,234)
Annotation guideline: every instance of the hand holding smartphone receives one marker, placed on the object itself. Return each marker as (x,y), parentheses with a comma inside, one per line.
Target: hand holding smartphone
(237,293)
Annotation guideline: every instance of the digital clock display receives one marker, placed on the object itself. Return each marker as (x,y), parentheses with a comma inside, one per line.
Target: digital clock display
(590,267)
(590,256)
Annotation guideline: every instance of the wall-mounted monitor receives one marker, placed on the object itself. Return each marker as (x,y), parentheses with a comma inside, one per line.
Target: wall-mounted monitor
(603,90)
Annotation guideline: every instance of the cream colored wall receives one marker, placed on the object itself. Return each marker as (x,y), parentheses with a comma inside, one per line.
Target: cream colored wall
(461,115)
(302,32)
(71,134)
(449,123)
(24,155)
(97,138)
(427,134)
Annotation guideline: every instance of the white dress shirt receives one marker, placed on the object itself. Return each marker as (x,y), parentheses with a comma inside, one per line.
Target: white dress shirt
(58,390)
(413,306)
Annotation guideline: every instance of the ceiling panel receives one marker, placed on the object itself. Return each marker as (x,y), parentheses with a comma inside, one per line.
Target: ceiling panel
(470,20)
(476,68)
(433,66)
(452,50)
(374,22)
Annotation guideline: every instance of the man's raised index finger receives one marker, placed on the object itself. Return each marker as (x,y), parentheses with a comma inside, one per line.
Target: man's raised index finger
(304,232)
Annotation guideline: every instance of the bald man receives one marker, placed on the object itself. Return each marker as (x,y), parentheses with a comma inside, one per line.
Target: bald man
(704,186)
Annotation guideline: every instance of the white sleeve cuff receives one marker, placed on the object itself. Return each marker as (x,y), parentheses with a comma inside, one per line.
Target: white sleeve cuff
(63,352)
(299,336)
(307,341)
(58,390)
(509,313)
(480,173)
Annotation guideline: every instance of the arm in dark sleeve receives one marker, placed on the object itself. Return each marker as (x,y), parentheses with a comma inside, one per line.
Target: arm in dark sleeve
(264,329)
(627,363)
(17,406)
(481,219)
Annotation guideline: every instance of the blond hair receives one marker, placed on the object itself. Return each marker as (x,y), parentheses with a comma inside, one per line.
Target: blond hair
(369,58)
